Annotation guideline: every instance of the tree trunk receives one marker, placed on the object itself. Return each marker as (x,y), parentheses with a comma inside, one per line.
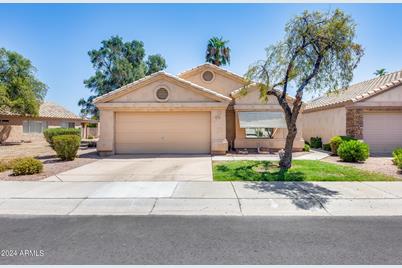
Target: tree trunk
(286,162)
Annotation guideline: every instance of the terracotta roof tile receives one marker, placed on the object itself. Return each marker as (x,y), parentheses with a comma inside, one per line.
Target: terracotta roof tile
(357,92)
(47,110)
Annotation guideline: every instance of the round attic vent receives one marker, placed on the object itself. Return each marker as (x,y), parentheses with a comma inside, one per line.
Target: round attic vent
(162,94)
(207,76)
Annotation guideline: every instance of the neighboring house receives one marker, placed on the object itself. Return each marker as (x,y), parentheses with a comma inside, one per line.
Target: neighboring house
(201,110)
(370,110)
(15,128)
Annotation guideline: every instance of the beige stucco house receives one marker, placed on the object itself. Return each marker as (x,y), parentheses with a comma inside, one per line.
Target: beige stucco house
(201,110)
(370,110)
(15,128)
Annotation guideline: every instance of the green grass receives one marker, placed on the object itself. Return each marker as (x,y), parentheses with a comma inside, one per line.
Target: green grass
(302,170)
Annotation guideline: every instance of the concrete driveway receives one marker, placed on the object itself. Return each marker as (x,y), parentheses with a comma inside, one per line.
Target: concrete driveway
(142,168)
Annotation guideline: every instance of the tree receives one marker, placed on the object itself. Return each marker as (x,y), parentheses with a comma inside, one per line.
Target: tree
(155,63)
(218,52)
(20,91)
(116,64)
(318,53)
(380,72)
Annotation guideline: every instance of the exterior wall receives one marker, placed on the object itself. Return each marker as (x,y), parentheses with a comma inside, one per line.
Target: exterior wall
(177,94)
(324,124)
(92,131)
(390,96)
(219,144)
(251,102)
(12,132)
(105,145)
(220,83)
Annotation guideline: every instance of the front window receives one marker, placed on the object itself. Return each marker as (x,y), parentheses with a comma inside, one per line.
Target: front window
(67,124)
(259,133)
(31,126)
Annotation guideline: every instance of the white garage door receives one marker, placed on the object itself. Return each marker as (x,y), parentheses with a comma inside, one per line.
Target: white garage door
(382,131)
(163,132)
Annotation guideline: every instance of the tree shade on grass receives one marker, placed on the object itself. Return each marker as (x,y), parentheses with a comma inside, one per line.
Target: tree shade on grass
(302,170)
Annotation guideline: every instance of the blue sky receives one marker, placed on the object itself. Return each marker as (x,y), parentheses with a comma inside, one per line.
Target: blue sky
(57,37)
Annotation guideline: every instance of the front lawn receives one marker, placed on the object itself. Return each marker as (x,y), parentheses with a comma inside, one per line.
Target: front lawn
(302,170)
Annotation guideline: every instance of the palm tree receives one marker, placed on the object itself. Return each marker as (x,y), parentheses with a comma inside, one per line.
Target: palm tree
(218,52)
(380,72)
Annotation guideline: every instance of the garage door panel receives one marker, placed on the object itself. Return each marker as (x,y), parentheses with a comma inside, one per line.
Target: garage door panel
(169,132)
(382,131)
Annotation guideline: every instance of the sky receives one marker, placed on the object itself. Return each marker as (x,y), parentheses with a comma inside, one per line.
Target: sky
(57,37)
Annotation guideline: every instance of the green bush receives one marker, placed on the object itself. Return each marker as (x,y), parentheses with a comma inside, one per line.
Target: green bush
(397,155)
(90,137)
(353,151)
(66,146)
(27,166)
(306,148)
(50,133)
(315,142)
(326,147)
(336,141)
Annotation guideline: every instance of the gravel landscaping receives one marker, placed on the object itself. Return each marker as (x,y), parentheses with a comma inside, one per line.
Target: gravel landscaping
(40,149)
(374,164)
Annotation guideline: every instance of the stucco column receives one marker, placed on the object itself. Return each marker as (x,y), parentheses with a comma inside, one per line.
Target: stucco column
(219,144)
(105,145)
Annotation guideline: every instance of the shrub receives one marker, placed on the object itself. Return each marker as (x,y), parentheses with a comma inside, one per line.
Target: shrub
(315,142)
(7,164)
(27,166)
(306,148)
(66,146)
(353,151)
(336,141)
(326,147)
(50,133)
(3,167)
(397,154)
(90,137)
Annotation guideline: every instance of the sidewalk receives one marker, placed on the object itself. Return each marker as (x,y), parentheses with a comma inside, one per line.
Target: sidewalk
(201,198)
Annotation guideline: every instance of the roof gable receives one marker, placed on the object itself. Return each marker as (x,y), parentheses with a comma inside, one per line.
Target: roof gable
(357,92)
(159,76)
(202,67)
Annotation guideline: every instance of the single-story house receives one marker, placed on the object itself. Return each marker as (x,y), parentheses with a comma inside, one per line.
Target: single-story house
(201,110)
(370,110)
(15,128)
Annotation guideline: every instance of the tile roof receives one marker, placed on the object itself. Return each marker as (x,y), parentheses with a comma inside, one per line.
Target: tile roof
(357,92)
(128,86)
(47,110)
(207,64)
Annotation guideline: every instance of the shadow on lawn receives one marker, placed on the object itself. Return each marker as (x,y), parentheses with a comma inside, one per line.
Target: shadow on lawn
(265,176)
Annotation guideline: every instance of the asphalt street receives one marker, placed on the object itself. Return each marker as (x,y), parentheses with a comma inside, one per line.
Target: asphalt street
(200,240)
